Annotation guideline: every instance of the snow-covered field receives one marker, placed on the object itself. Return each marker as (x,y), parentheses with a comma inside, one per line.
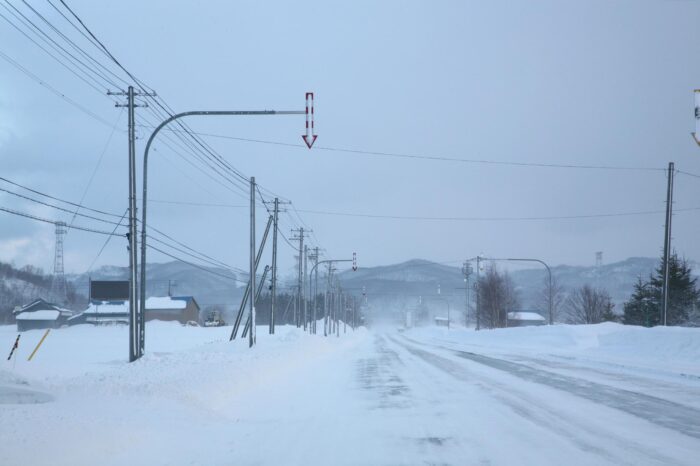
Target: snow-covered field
(603,394)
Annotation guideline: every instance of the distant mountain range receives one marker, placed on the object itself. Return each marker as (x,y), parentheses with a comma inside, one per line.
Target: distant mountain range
(409,281)
(396,285)
(179,278)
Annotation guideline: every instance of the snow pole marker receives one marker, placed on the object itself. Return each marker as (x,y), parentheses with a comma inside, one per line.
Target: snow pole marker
(46,334)
(14,347)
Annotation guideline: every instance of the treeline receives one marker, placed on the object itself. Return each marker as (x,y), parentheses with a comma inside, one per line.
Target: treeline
(590,304)
(20,286)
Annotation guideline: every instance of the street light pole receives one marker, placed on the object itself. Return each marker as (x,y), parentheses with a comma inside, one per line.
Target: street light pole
(163,124)
(330,262)
(549,272)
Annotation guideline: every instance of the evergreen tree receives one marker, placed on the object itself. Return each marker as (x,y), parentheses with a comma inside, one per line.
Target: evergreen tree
(643,308)
(645,305)
(682,293)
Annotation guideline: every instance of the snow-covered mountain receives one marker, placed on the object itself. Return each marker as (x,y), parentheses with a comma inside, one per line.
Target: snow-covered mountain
(420,278)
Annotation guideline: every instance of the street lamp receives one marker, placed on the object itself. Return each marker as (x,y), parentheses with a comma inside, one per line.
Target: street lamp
(163,124)
(549,272)
(330,261)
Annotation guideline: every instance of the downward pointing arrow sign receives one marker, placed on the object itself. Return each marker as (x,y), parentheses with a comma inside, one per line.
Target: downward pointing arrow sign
(309,140)
(309,137)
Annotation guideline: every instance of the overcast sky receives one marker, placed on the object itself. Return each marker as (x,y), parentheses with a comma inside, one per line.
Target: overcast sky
(545,82)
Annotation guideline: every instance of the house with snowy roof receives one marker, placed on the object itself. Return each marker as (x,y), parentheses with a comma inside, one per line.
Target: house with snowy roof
(182,309)
(40,314)
(525,319)
(103,313)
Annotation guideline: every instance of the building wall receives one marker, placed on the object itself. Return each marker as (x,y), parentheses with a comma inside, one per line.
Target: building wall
(524,323)
(190,312)
(24,325)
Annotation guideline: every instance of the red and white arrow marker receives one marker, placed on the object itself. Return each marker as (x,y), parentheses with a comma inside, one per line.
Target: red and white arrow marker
(309,137)
(354,262)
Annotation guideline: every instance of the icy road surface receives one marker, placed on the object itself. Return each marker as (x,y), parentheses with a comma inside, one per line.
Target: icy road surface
(586,395)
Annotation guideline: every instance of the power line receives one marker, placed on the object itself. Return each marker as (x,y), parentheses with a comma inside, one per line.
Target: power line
(104,245)
(110,214)
(97,166)
(198,204)
(53,222)
(209,258)
(57,207)
(229,277)
(534,218)
(687,174)
(72,68)
(77,48)
(48,86)
(440,158)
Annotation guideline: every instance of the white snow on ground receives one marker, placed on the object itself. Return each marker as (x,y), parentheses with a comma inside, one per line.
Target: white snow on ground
(544,395)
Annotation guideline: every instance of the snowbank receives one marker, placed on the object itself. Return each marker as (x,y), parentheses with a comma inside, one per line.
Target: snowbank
(674,349)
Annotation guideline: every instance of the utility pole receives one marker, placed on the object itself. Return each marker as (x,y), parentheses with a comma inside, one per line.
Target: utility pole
(273,297)
(478,298)
(303,284)
(248,291)
(136,320)
(300,280)
(315,295)
(251,335)
(467,271)
(667,243)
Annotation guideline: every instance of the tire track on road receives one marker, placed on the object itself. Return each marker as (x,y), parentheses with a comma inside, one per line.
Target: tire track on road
(585,437)
(675,416)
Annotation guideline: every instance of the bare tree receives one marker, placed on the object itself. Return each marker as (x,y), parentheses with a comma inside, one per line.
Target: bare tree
(588,305)
(497,296)
(558,297)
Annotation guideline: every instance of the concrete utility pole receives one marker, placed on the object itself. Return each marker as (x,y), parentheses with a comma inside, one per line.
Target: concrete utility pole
(303,285)
(248,292)
(316,257)
(478,297)
(136,321)
(300,276)
(667,244)
(309,139)
(273,297)
(467,271)
(251,340)
(313,293)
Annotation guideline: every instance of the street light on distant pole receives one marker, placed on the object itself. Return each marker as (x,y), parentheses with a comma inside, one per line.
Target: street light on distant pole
(549,272)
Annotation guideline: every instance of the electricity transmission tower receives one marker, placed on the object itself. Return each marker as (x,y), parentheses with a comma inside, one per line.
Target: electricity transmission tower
(58,280)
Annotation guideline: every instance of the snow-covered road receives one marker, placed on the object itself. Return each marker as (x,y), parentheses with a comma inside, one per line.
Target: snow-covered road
(367,398)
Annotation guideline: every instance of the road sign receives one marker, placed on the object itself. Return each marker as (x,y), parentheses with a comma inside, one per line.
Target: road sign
(309,137)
